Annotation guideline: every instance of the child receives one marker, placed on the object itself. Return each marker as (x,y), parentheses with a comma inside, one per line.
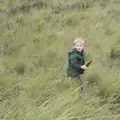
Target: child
(76,61)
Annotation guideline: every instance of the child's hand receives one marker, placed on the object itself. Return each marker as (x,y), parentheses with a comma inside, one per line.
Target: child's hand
(84,67)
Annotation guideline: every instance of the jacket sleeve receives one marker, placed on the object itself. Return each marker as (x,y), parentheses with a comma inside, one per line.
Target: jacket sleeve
(73,63)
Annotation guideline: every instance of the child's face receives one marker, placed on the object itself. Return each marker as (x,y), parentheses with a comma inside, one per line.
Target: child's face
(79,47)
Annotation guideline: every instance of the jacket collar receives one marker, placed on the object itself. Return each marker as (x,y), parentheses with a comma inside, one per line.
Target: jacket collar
(80,53)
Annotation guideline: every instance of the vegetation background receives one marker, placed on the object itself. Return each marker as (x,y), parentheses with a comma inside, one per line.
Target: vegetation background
(35,37)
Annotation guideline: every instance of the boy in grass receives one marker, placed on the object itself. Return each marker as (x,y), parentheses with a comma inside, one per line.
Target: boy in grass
(76,61)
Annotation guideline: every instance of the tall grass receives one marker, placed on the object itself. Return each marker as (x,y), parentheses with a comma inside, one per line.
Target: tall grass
(33,60)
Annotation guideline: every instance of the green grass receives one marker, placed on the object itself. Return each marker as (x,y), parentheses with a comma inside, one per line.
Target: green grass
(33,59)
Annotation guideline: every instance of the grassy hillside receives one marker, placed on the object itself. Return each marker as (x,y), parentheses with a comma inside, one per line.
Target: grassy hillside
(34,41)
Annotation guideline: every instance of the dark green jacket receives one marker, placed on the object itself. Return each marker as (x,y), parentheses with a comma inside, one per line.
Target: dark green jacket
(75,60)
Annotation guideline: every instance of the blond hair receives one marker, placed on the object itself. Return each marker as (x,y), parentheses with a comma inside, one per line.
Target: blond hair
(78,40)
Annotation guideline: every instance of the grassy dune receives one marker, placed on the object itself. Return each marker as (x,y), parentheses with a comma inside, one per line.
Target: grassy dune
(34,41)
